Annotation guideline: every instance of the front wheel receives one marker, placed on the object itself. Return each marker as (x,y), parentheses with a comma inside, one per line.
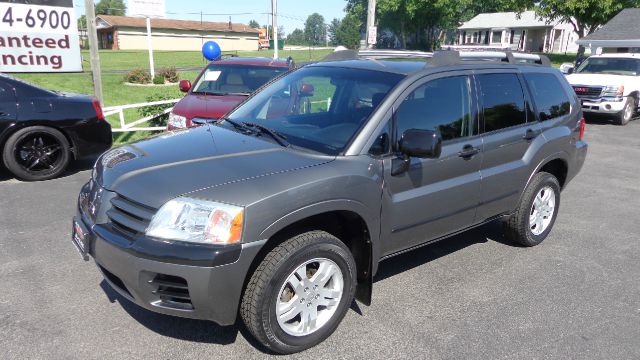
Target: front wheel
(627,112)
(532,221)
(300,292)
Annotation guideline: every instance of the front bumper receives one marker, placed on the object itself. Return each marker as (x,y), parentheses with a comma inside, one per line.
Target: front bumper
(169,286)
(608,106)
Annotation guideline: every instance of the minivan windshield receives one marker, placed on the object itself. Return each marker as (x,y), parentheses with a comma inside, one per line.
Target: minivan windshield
(610,65)
(319,108)
(225,79)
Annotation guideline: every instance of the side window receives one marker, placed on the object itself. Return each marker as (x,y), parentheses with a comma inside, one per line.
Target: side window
(549,95)
(503,101)
(442,105)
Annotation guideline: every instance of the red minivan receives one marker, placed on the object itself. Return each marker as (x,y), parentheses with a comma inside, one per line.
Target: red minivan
(221,86)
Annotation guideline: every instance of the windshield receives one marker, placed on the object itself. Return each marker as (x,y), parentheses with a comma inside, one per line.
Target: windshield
(318,108)
(221,79)
(615,66)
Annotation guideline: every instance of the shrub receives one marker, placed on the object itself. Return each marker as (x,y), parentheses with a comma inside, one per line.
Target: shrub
(170,74)
(138,76)
(158,79)
(156,109)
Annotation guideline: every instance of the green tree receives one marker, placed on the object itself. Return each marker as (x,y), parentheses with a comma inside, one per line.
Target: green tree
(314,30)
(254,24)
(348,33)
(296,38)
(111,7)
(585,15)
(333,30)
(82,22)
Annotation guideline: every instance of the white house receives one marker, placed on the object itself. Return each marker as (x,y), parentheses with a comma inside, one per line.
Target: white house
(525,32)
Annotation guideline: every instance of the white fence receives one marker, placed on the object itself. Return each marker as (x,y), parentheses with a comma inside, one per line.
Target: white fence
(133,126)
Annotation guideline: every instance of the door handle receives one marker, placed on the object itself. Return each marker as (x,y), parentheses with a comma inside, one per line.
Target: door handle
(468,151)
(529,135)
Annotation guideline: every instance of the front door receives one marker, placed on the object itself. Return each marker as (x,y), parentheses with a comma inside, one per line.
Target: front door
(435,196)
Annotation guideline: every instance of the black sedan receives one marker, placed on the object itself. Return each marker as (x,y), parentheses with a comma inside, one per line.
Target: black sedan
(41,131)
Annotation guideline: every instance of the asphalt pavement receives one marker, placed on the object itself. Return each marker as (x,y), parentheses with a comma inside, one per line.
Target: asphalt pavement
(474,296)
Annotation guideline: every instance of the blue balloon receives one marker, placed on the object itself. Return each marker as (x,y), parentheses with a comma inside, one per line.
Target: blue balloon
(211,50)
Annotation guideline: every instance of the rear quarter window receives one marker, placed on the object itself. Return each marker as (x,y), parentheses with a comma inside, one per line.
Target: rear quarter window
(549,96)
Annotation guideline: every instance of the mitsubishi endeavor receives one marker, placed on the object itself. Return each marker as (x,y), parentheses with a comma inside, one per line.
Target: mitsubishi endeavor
(293,199)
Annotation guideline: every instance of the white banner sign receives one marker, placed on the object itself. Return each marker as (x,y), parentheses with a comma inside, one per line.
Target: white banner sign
(146,8)
(41,36)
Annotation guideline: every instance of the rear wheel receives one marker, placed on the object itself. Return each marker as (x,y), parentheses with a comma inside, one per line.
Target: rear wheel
(627,112)
(36,153)
(532,221)
(300,292)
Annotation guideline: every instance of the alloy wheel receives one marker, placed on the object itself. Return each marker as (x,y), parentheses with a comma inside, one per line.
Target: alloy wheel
(542,210)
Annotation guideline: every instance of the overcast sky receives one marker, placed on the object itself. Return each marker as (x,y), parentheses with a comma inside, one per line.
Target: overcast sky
(292,13)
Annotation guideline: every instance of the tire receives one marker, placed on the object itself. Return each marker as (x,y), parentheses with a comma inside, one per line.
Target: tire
(519,227)
(627,112)
(36,153)
(270,286)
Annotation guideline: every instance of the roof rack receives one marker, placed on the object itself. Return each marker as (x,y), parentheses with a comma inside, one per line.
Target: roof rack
(443,57)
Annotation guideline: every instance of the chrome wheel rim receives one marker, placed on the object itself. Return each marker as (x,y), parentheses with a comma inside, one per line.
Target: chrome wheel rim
(542,210)
(309,297)
(628,111)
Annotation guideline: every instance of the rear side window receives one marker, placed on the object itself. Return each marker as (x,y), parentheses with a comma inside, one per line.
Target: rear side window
(503,101)
(441,105)
(549,95)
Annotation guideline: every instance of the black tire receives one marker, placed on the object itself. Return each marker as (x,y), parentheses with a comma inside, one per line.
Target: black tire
(258,307)
(27,145)
(624,116)
(517,226)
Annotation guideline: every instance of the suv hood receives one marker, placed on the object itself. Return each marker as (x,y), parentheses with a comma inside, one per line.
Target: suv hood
(153,171)
(206,106)
(600,80)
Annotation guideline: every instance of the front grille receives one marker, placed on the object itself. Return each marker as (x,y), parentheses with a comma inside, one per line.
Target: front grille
(128,217)
(588,91)
(173,291)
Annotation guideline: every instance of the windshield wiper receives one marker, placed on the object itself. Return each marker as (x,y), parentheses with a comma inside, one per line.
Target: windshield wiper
(279,138)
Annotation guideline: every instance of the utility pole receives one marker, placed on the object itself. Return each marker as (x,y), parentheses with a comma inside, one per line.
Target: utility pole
(92,35)
(274,21)
(371,23)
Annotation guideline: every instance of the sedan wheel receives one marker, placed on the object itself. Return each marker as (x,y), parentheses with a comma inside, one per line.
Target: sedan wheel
(36,153)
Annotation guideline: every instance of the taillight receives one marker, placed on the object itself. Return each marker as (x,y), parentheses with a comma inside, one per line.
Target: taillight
(582,125)
(98,109)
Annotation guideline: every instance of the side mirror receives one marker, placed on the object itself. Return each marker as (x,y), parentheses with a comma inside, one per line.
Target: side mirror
(185,85)
(416,143)
(421,143)
(306,90)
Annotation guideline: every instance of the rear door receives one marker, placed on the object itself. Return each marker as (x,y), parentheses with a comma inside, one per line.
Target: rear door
(435,196)
(509,126)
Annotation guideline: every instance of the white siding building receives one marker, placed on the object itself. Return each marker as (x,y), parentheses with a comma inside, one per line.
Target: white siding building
(526,32)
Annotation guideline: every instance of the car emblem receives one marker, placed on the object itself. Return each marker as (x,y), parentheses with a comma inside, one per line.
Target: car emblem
(581,89)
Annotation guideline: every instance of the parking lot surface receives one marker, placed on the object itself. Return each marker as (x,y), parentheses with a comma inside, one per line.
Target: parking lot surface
(474,296)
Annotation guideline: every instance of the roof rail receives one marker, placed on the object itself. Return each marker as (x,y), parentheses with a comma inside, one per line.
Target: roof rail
(375,54)
(454,57)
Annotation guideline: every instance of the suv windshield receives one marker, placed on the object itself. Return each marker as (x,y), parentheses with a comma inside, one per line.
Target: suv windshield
(318,108)
(611,65)
(222,79)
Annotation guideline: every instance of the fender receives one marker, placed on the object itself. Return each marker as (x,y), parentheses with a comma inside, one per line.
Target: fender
(370,217)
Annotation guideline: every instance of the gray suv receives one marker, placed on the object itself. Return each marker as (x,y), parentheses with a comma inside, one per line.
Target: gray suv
(282,211)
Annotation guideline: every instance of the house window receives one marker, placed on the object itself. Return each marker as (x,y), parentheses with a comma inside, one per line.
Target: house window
(513,33)
(496,37)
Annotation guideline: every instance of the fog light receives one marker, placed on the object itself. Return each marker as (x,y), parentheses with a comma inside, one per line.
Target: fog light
(608,107)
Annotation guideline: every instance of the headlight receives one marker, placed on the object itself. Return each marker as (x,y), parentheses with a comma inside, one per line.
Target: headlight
(613,91)
(177,121)
(198,221)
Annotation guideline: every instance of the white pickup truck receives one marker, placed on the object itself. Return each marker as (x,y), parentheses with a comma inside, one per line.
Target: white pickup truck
(609,84)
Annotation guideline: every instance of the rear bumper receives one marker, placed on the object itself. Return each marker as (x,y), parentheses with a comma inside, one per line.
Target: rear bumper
(172,287)
(577,160)
(91,139)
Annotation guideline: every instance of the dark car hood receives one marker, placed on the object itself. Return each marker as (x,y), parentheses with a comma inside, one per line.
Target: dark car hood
(154,171)
(206,106)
